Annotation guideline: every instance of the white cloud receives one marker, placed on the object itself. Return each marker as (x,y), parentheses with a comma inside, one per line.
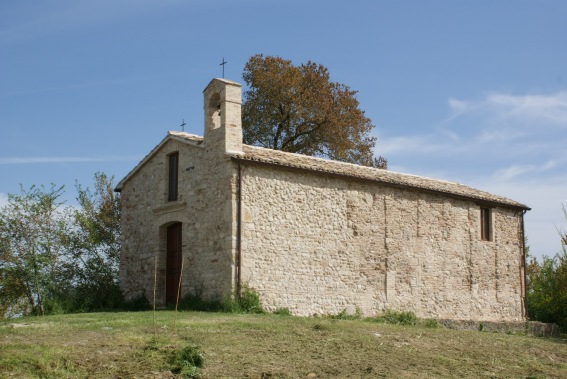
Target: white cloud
(550,108)
(458,106)
(523,169)
(513,171)
(431,143)
(545,197)
(509,145)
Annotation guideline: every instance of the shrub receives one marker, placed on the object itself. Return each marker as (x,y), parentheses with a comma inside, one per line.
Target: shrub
(282,312)
(247,302)
(344,315)
(194,302)
(431,323)
(399,318)
(187,362)
(57,305)
(547,297)
(139,303)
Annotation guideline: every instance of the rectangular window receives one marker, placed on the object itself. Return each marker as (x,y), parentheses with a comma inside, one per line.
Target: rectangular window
(173,169)
(485,224)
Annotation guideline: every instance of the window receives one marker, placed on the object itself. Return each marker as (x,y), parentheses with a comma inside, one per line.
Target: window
(173,163)
(485,224)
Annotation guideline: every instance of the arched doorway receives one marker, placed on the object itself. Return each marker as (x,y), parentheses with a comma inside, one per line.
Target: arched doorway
(173,263)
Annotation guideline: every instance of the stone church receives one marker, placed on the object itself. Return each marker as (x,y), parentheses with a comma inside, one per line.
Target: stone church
(312,235)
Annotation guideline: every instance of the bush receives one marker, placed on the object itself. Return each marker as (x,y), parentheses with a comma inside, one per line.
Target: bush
(187,362)
(139,303)
(399,318)
(344,315)
(431,323)
(282,312)
(57,305)
(547,297)
(247,302)
(195,302)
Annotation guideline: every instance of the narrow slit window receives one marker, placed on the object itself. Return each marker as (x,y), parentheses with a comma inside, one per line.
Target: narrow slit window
(173,169)
(485,224)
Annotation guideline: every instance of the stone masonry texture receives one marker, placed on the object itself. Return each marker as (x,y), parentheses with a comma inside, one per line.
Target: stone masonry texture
(316,236)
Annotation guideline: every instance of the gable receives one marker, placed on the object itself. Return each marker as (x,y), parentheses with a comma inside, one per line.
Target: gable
(185,138)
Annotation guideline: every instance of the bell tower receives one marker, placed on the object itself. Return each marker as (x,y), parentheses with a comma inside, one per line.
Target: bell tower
(223,119)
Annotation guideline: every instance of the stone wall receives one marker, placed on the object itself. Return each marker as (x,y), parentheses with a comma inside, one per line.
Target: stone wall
(204,207)
(312,242)
(318,244)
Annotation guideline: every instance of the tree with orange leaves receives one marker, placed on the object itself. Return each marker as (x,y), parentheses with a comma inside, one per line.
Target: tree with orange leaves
(298,109)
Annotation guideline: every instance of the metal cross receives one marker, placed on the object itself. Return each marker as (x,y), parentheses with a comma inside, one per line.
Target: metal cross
(183,125)
(222,64)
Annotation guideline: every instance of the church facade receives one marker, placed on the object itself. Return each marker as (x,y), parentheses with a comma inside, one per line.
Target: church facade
(211,214)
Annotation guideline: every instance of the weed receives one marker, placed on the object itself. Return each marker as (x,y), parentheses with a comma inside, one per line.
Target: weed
(247,302)
(282,312)
(320,327)
(344,315)
(399,318)
(187,362)
(431,323)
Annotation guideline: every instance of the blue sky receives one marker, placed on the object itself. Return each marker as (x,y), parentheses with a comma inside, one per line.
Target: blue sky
(467,91)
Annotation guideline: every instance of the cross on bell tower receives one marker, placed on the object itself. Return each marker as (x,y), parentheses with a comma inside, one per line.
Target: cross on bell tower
(222,64)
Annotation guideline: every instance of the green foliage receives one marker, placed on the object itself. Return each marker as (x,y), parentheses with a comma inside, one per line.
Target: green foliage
(547,290)
(187,362)
(95,245)
(33,230)
(300,110)
(54,258)
(139,303)
(195,302)
(547,287)
(247,302)
(398,318)
(282,312)
(430,323)
(345,315)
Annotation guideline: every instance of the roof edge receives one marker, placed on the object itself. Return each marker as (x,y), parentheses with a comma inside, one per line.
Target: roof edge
(190,139)
(514,205)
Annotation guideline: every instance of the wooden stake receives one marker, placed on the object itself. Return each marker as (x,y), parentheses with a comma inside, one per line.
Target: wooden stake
(155,284)
(177,300)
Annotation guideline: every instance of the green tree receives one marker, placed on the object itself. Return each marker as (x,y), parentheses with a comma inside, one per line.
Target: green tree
(56,259)
(33,231)
(299,110)
(95,246)
(547,286)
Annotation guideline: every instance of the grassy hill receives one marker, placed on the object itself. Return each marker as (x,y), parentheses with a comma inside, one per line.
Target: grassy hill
(127,345)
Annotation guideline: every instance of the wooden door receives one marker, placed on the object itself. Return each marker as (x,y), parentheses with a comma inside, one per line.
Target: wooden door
(173,263)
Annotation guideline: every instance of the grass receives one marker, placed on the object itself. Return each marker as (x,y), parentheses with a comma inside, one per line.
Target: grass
(220,345)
